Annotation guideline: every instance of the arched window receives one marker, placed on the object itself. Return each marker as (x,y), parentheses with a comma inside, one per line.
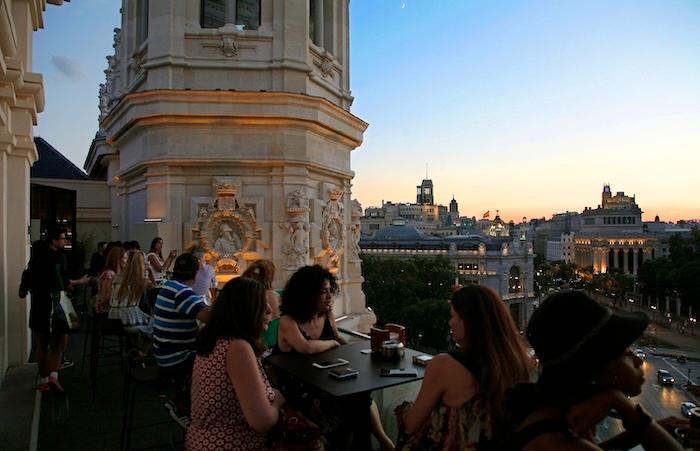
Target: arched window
(514,280)
(217,13)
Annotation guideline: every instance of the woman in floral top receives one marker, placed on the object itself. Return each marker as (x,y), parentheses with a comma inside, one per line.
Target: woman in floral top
(462,401)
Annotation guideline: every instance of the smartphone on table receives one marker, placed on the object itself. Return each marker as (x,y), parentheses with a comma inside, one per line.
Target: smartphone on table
(343,373)
(330,363)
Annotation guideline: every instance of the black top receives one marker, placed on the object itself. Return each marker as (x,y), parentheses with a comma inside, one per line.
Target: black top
(530,432)
(326,334)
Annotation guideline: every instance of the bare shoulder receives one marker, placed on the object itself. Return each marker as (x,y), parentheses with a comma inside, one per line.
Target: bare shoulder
(240,349)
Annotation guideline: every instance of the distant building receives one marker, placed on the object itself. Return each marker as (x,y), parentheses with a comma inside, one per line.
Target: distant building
(612,235)
(503,264)
(423,215)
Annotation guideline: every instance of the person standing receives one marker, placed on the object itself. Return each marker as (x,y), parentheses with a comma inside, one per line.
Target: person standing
(46,277)
(155,261)
(175,328)
(205,279)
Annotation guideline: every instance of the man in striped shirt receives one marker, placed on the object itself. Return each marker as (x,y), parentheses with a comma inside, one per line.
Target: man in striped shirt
(175,330)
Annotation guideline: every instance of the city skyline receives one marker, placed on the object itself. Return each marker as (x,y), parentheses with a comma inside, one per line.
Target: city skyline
(525,110)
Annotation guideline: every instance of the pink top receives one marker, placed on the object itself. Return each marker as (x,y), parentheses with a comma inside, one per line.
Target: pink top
(217,418)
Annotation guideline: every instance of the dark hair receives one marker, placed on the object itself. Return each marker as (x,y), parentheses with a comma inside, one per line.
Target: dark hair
(238,312)
(54,233)
(185,267)
(263,271)
(493,345)
(300,297)
(153,246)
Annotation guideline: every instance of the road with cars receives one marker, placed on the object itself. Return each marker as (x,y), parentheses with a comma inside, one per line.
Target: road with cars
(665,400)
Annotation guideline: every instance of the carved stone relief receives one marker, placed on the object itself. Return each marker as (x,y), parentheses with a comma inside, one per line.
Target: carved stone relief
(332,232)
(355,228)
(296,246)
(225,229)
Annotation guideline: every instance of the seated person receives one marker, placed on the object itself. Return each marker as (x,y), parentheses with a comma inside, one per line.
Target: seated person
(588,370)
(461,402)
(175,330)
(307,325)
(264,272)
(233,404)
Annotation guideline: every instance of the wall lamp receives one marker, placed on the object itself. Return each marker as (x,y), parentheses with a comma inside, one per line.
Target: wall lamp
(153,220)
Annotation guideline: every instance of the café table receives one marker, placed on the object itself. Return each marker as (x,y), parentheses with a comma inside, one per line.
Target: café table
(368,365)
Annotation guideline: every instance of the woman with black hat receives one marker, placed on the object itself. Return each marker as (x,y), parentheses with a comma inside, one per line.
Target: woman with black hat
(587,371)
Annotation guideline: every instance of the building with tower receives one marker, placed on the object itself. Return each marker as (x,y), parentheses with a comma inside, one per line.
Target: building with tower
(424,193)
(228,123)
(612,236)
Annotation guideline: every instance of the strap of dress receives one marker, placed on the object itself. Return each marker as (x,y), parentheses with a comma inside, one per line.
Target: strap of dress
(534,430)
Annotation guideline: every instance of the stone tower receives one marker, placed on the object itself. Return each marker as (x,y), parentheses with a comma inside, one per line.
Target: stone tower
(227,122)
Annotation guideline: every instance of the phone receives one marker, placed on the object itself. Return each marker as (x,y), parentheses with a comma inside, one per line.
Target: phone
(343,373)
(422,359)
(330,363)
(397,372)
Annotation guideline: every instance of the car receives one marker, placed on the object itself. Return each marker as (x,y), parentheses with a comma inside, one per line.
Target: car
(681,358)
(640,353)
(686,407)
(665,378)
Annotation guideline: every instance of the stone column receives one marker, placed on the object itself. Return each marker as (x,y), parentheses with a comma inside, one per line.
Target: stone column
(625,266)
(230,12)
(635,263)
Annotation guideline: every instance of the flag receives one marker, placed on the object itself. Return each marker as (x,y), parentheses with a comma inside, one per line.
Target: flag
(486,215)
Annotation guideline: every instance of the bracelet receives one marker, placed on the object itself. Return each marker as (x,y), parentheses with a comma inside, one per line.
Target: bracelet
(642,423)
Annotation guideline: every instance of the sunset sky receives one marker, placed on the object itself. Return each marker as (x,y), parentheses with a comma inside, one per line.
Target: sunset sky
(528,107)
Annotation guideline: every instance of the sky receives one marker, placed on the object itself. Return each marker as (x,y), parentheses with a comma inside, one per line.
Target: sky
(526,107)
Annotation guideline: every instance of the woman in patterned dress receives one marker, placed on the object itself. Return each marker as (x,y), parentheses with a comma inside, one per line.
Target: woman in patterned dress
(462,400)
(233,404)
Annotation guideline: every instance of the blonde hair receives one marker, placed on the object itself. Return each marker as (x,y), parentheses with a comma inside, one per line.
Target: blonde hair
(263,271)
(133,284)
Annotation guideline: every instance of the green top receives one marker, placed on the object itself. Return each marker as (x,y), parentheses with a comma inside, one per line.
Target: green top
(270,335)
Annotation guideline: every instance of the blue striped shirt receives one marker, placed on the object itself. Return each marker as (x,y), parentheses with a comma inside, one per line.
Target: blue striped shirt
(175,323)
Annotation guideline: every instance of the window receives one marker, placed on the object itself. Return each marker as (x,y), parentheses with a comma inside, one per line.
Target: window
(514,282)
(322,24)
(142,22)
(217,13)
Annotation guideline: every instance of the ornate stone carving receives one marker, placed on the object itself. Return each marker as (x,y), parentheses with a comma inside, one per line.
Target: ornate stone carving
(229,47)
(225,229)
(137,62)
(325,65)
(332,232)
(296,246)
(355,228)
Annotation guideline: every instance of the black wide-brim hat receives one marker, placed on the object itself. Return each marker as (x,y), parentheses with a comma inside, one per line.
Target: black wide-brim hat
(574,337)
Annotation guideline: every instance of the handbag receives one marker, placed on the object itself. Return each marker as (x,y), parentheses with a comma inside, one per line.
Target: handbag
(294,432)
(64,319)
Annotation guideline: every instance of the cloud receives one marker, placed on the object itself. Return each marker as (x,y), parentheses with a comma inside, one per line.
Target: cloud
(68,67)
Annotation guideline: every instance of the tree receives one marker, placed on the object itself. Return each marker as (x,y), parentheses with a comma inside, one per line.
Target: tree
(412,292)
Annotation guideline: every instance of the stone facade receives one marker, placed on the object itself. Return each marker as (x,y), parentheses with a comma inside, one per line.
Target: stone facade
(505,265)
(263,103)
(21,99)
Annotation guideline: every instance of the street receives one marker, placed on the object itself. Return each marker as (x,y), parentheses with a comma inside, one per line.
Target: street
(660,400)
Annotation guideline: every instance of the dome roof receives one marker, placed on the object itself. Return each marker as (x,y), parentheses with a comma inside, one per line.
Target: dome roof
(398,233)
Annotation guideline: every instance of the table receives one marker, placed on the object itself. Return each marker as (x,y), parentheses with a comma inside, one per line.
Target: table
(301,366)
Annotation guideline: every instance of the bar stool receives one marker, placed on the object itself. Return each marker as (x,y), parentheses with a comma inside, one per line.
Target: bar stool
(139,376)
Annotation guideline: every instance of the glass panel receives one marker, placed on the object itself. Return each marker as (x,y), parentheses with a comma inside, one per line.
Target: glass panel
(213,13)
(248,14)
